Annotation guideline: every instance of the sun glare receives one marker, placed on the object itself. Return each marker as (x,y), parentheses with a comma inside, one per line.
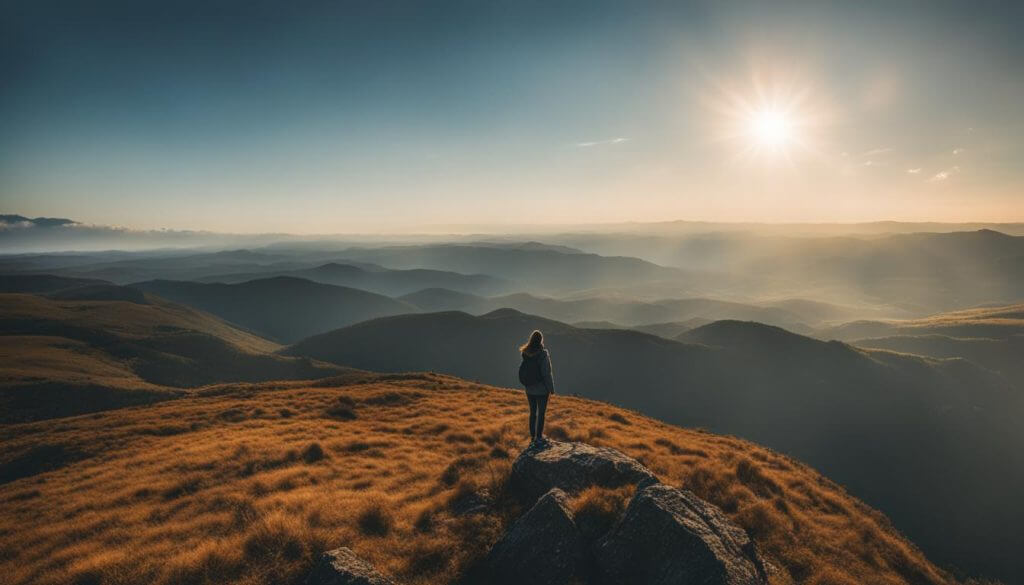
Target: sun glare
(770,129)
(768,121)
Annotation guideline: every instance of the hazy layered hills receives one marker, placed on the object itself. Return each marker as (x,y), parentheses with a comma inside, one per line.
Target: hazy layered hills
(859,415)
(381,280)
(282,308)
(62,357)
(796,315)
(540,269)
(918,272)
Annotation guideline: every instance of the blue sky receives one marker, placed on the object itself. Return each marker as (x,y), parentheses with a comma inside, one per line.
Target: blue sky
(320,117)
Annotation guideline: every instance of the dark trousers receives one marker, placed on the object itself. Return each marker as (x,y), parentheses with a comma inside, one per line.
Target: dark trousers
(538,406)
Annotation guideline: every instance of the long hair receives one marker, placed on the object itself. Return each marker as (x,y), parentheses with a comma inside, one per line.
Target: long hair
(535,344)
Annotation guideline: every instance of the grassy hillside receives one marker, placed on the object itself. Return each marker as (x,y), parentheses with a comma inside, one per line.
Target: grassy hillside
(61,357)
(935,429)
(246,484)
(283,308)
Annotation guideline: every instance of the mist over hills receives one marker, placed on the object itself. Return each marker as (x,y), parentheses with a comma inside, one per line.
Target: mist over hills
(859,415)
(281,308)
(879,276)
(916,272)
(380,280)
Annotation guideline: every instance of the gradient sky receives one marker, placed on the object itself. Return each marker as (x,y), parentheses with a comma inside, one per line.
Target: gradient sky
(321,117)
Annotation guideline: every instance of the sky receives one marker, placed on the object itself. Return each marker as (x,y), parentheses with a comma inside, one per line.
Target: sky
(336,116)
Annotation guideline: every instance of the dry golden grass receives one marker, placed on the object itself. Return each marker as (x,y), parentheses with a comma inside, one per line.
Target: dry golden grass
(33,358)
(248,483)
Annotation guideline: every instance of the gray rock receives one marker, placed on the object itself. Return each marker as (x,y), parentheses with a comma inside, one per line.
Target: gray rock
(342,567)
(670,536)
(543,547)
(573,467)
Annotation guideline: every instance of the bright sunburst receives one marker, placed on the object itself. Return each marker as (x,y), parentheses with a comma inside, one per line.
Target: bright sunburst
(772,122)
(770,129)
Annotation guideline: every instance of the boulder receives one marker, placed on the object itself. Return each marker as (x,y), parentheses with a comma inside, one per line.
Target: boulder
(669,536)
(573,467)
(342,567)
(542,547)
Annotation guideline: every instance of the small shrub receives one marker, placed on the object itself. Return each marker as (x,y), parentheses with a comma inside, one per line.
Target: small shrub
(616,417)
(375,519)
(341,412)
(459,438)
(751,475)
(276,537)
(233,415)
(424,522)
(450,475)
(427,559)
(313,453)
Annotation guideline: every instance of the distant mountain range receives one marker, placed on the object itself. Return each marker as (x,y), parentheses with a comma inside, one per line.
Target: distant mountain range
(858,415)
(801,316)
(380,280)
(284,309)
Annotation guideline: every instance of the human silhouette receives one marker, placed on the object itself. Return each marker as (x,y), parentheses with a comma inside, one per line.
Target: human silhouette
(535,376)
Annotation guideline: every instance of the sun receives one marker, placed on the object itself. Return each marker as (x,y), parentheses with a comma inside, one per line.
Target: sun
(770,129)
(770,121)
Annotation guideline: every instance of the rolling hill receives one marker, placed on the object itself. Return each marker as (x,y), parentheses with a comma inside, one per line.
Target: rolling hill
(42,283)
(935,429)
(249,484)
(63,357)
(379,280)
(621,312)
(284,309)
(541,269)
(989,336)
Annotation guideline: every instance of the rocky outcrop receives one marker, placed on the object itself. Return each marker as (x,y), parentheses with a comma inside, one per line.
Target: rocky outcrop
(666,536)
(543,547)
(669,536)
(573,467)
(342,567)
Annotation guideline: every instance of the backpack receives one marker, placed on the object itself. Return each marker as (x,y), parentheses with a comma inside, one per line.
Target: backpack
(529,370)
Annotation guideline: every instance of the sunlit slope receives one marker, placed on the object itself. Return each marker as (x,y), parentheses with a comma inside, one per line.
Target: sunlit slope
(935,430)
(62,357)
(247,485)
(992,337)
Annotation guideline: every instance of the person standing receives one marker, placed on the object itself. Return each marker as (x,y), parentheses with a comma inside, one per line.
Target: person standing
(536,377)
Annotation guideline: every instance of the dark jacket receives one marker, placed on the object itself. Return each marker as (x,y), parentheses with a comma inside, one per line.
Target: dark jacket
(547,383)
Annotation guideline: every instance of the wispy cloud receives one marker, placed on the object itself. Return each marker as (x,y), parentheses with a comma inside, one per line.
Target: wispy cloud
(616,140)
(876,151)
(959,150)
(916,171)
(943,175)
